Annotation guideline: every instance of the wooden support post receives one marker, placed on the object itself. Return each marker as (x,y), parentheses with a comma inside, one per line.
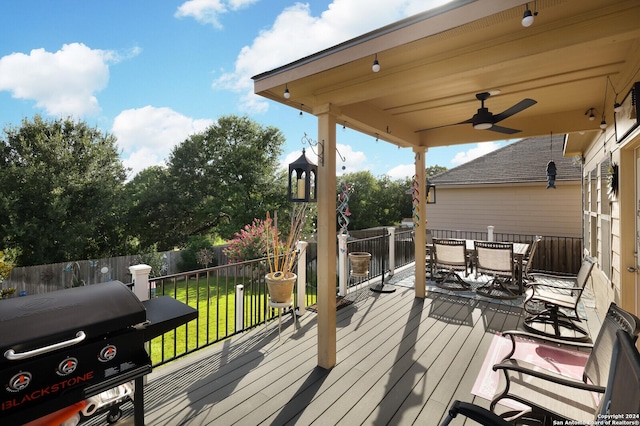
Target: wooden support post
(420,223)
(326,240)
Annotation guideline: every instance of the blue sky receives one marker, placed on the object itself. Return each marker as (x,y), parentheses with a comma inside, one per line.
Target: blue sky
(152,72)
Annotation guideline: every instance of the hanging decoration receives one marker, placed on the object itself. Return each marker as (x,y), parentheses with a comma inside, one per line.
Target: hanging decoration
(612,181)
(416,201)
(343,208)
(551,167)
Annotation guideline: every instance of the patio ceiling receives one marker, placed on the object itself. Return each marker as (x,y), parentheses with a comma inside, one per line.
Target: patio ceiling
(433,64)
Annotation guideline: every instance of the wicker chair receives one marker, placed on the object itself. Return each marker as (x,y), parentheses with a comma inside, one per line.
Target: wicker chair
(450,256)
(551,295)
(621,395)
(495,259)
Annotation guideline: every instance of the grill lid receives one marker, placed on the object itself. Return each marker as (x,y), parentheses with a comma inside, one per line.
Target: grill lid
(97,310)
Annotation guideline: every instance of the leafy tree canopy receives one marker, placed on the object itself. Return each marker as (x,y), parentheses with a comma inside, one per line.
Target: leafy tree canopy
(215,182)
(61,192)
(435,170)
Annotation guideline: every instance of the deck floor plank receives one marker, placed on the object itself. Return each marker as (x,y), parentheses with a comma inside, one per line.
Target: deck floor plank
(401,361)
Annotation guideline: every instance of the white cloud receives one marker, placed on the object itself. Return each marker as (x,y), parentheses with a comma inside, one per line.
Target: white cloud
(63,82)
(147,135)
(478,151)
(402,171)
(208,11)
(296,33)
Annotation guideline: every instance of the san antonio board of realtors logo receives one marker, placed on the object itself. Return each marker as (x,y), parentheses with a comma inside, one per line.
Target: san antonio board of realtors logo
(19,381)
(107,353)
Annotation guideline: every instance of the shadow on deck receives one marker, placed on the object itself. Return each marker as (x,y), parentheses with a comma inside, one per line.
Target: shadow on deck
(401,360)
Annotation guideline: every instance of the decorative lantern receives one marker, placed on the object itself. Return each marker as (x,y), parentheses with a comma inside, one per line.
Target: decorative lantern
(431,193)
(303,176)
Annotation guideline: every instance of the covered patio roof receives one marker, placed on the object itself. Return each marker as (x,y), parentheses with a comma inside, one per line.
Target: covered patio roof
(433,65)
(575,58)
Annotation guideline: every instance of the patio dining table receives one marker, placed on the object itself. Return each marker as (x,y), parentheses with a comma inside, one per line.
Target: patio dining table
(519,251)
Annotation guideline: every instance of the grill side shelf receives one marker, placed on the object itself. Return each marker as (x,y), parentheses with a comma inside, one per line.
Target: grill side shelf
(165,313)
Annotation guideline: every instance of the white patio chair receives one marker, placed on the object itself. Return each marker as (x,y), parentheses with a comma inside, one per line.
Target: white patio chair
(495,259)
(451,256)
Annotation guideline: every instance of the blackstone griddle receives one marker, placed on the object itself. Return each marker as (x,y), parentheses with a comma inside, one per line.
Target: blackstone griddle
(62,347)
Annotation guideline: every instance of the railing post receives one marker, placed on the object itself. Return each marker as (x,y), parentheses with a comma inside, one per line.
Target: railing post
(392,250)
(140,276)
(490,232)
(302,277)
(240,307)
(342,264)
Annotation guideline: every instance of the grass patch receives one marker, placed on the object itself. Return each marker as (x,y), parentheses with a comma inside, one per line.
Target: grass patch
(214,298)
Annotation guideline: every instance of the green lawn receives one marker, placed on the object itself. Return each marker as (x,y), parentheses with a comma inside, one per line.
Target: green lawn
(214,298)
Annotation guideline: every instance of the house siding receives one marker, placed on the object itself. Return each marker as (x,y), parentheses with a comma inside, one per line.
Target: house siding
(519,209)
(613,283)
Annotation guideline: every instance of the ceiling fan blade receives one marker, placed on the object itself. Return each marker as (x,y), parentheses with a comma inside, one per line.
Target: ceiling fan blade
(520,106)
(444,125)
(505,130)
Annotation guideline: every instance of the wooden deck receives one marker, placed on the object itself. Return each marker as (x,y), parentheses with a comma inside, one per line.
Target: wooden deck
(401,361)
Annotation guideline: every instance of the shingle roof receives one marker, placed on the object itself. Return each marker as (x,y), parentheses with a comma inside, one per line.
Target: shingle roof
(522,161)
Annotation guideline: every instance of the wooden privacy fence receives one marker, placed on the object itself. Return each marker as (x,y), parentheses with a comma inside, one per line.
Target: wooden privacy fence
(56,276)
(554,254)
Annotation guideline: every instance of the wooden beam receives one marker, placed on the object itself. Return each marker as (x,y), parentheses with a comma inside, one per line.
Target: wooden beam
(326,241)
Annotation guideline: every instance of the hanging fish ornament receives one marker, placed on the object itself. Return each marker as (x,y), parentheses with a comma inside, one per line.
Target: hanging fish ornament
(551,175)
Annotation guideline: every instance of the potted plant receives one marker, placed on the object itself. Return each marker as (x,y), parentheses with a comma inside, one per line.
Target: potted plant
(282,258)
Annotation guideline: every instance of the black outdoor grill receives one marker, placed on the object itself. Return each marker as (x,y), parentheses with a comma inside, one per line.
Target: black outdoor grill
(63,347)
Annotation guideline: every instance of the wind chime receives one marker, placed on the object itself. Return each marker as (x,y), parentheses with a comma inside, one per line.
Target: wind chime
(551,168)
(415,209)
(343,208)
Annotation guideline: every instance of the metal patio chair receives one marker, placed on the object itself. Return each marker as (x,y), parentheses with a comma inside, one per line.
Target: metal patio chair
(549,299)
(496,259)
(553,395)
(527,261)
(621,395)
(450,255)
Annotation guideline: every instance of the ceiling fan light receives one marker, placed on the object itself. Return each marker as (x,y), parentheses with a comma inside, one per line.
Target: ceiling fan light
(527,18)
(482,126)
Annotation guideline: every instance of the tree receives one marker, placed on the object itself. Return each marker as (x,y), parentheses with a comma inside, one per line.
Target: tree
(215,182)
(151,203)
(394,203)
(376,202)
(363,188)
(61,194)
(435,170)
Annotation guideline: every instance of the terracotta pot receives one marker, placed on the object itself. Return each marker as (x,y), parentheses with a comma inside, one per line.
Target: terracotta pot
(280,286)
(360,263)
